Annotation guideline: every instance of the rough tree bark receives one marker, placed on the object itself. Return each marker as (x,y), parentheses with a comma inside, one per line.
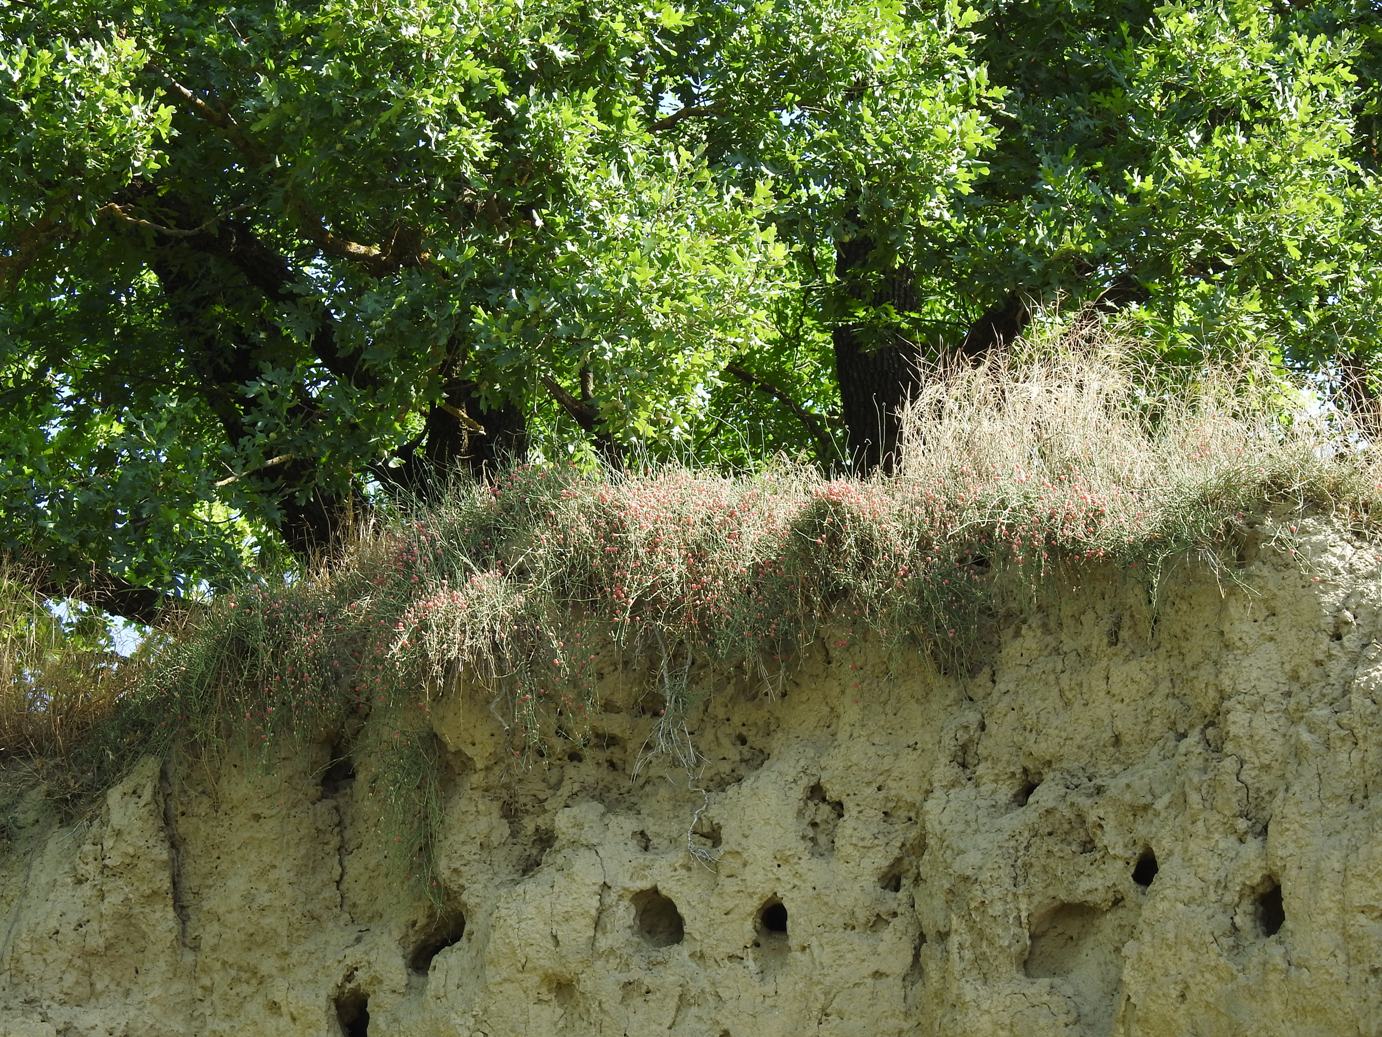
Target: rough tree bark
(458,430)
(877,369)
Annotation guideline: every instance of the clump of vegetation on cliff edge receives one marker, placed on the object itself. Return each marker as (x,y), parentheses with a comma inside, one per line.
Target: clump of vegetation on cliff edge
(1012,475)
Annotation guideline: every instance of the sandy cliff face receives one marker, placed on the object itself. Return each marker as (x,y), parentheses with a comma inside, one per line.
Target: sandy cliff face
(1120,825)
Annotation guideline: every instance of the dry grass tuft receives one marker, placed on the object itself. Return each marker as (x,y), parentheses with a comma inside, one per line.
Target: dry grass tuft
(1091,427)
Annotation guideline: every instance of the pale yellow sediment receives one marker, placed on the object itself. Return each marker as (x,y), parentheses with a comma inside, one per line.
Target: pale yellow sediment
(955,854)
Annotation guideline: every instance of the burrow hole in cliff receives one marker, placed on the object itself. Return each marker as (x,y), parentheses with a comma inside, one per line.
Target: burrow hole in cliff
(1271,911)
(1025,790)
(352,1013)
(610,747)
(339,775)
(657,919)
(443,932)
(890,878)
(1144,871)
(772,922)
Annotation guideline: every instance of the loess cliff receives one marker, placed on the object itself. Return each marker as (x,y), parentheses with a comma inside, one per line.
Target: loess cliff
(1123,820)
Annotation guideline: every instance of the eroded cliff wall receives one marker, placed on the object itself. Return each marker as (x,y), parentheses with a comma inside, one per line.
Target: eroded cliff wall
(1122,824)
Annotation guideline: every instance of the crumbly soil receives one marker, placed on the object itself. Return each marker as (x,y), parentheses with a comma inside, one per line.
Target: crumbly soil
(1123,822)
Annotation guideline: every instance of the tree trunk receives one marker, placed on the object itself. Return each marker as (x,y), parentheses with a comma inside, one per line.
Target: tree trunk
(1002,322)
(877,367)
(451,441)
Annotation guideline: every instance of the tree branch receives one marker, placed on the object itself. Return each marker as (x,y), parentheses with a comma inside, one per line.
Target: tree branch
(451,434)
(265,269)
(811,422)
(1123,291)
(467,422)
(690,111)
(223,360)
(109,593)
(1008,318)
(586,414)
(123,214)
(217,118)
(1002,322)
(270,463)
(378,261)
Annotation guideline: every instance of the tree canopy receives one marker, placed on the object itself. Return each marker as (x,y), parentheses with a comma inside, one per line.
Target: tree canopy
(261,263)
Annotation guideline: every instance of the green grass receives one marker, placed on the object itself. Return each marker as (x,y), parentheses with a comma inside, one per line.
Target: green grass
(1012,476)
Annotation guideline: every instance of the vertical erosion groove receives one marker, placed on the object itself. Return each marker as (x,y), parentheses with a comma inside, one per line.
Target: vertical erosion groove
(168,813)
